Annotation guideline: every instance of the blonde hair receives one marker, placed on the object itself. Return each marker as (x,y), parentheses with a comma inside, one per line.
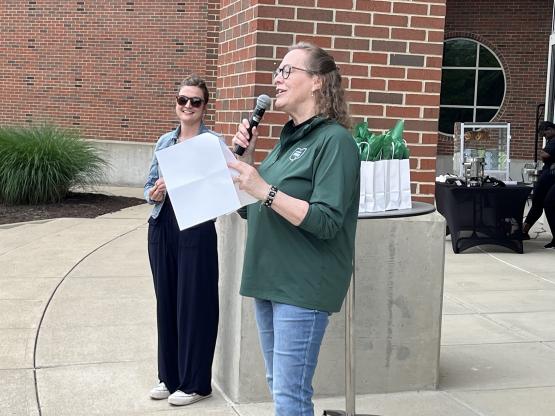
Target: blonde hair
(330,98)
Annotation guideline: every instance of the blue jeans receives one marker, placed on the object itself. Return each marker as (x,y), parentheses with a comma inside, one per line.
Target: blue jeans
(290,338)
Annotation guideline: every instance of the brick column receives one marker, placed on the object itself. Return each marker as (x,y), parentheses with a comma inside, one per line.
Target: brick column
(389,53)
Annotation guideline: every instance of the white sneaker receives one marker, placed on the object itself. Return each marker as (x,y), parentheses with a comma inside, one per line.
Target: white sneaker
(178,398)
(159,392)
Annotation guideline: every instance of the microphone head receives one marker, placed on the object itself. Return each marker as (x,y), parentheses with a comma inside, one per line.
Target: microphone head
(263,101)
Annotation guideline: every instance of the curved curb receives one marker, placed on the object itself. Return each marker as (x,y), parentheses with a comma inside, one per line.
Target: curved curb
(52,297)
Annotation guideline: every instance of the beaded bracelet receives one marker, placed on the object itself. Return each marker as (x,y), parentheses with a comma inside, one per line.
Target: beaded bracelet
(271,194)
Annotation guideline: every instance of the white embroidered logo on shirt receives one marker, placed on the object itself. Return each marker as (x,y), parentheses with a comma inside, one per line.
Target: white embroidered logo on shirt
(297,153)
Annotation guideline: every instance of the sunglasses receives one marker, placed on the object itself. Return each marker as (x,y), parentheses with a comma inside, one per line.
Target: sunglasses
(195,101)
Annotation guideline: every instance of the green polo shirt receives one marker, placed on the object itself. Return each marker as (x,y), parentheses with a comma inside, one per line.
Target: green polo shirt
(308,265)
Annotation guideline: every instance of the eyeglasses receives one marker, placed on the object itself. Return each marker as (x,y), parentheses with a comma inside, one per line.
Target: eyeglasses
(195,101)
(285,71)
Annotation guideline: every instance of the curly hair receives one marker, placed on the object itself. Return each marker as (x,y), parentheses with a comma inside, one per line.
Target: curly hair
(330,98)
(194,80)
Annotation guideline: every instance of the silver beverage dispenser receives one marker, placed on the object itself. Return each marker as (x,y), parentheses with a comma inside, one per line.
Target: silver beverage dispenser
(474,171)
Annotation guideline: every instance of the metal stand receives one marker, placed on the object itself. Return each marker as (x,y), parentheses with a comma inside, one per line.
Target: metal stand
(350,390)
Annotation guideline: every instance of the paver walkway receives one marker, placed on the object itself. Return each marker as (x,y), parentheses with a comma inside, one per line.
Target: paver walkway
(77,334)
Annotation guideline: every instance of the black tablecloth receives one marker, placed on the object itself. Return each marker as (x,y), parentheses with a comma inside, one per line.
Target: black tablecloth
(483,215)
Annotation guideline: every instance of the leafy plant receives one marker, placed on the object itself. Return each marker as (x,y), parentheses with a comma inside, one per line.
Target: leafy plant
(40,164)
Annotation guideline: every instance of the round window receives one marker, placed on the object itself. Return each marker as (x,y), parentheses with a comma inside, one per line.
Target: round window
(472,85)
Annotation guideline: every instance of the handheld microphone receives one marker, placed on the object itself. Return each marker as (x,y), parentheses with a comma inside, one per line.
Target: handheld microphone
(262,103)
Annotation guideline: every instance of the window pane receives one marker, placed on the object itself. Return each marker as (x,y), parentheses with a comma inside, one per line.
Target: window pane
(491,87)
(485,115)
(461,89)
(459,52)
(457,87)
(449,116)
(487,59)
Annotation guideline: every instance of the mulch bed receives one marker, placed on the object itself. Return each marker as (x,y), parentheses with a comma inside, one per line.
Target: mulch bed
(76,205)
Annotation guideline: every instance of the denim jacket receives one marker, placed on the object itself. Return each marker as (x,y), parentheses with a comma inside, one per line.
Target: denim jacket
(166,140)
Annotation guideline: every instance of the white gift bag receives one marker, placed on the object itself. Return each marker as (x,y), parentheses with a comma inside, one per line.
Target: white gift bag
(363,180)
(366,187)
(362,198)
(384,185)
(405,191)
(392,184)
(379,185)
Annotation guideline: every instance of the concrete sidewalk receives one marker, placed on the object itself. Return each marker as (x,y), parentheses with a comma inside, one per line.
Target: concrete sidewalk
(77,334)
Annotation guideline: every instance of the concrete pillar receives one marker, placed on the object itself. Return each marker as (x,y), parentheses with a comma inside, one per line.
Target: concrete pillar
(399,287)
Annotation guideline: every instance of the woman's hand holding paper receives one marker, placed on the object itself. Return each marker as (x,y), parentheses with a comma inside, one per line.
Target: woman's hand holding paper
(249,180)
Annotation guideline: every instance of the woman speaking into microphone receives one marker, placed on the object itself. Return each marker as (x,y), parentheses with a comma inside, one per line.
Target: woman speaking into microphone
(301,233)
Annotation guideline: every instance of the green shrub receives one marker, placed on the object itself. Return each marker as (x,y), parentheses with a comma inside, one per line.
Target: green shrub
(41,164)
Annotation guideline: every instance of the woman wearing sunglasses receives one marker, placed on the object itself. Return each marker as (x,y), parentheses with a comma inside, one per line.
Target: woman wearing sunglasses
(184,267)
(300,242)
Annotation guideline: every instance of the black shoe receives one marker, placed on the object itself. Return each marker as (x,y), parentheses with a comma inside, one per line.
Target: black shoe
(550,244)
(525,236)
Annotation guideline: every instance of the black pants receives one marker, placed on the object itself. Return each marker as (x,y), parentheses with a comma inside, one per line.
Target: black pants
(543,199)
(184,266)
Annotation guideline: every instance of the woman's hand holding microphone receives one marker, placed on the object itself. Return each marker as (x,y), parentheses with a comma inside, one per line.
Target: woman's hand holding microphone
(248,179)
(243,140)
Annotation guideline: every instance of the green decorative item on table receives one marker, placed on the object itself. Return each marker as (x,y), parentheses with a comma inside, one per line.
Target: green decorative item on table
(384,169)
(373,147)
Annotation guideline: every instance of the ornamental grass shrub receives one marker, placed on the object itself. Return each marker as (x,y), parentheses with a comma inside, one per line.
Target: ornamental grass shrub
(40,164)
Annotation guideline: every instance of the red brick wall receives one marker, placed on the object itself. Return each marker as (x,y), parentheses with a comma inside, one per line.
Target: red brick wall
(109,68)
(389,53)
(518,32)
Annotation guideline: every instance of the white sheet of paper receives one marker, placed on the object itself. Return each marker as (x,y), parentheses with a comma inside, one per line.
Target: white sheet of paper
(244,198)
(199,181)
